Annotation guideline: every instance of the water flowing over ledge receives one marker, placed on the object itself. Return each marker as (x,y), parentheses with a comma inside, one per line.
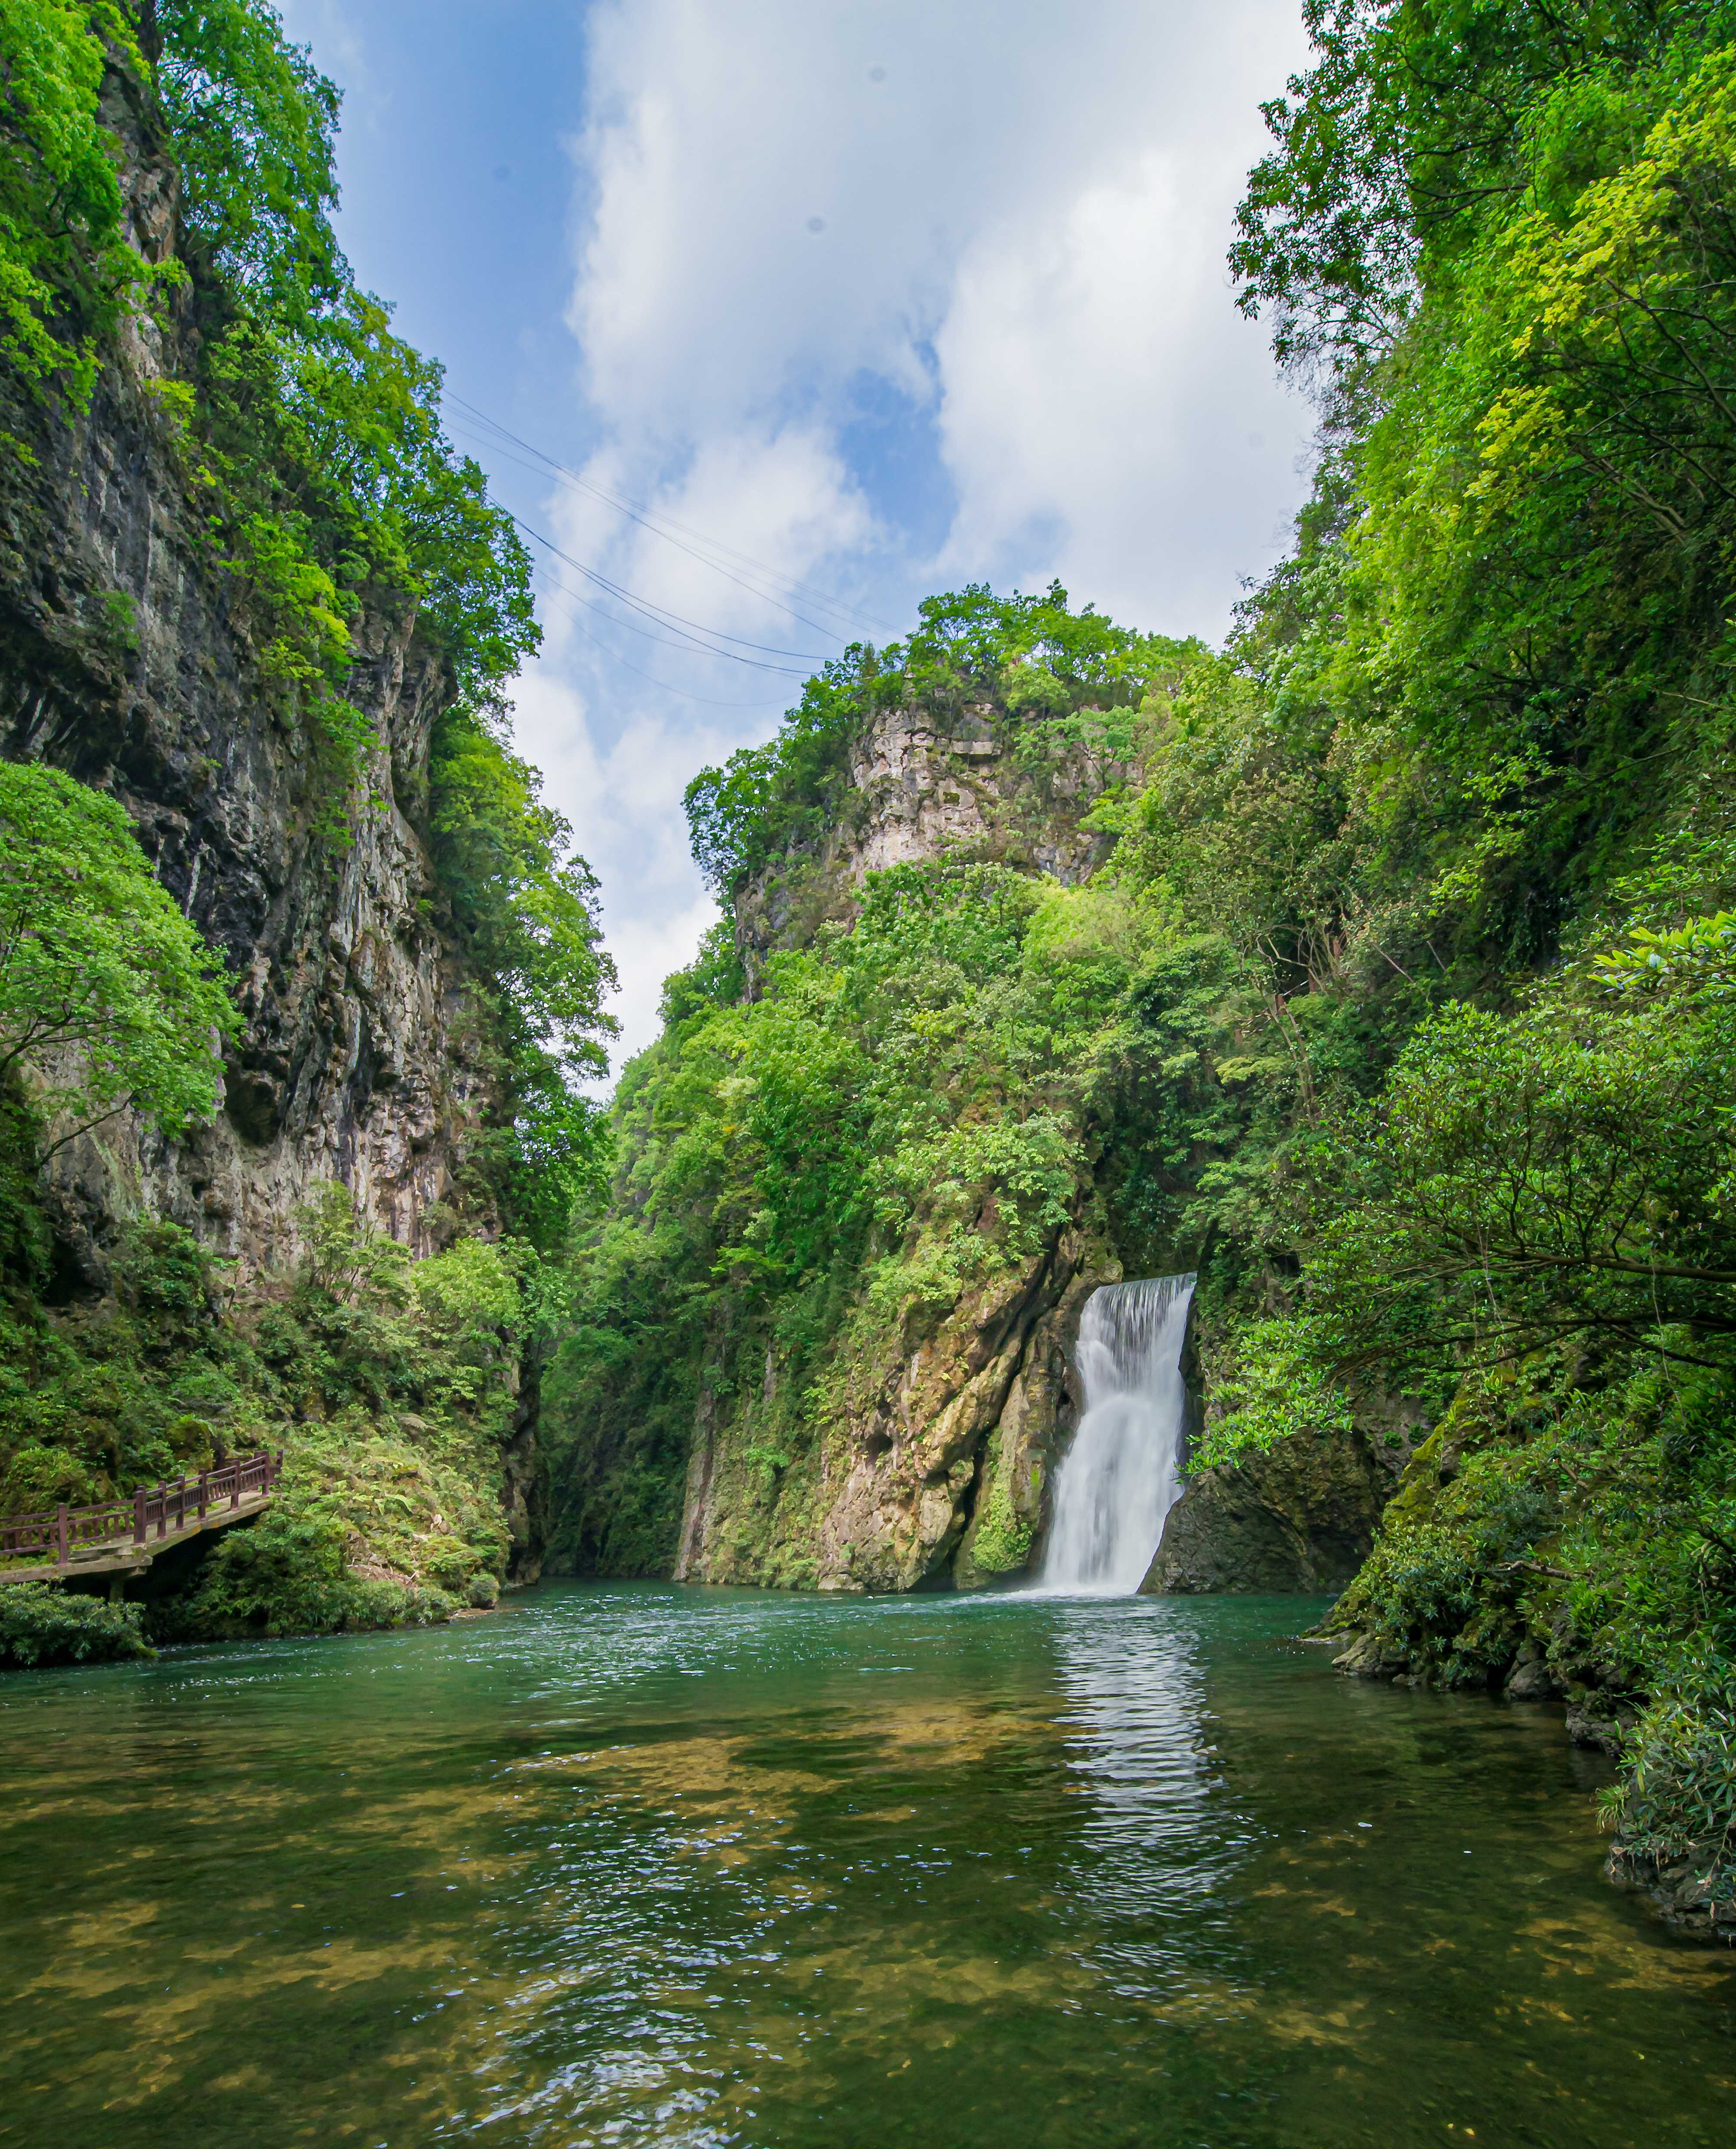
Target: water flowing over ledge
(1123,1474)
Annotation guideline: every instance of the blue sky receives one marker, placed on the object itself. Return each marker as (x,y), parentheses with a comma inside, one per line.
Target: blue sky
(857,301)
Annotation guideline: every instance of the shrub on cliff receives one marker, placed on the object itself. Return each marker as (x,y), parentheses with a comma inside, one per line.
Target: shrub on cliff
(107,996)
(907,1112)
(64,268)
(42,1624)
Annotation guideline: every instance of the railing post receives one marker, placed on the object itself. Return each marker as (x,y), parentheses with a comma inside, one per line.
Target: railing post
(205,1489)
(60,1531)
(162,1512)
(138,1515)
(235,1486)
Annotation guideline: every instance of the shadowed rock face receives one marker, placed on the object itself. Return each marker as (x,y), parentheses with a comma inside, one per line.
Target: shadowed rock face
(1300,1519)
(944,1433)
(124,660)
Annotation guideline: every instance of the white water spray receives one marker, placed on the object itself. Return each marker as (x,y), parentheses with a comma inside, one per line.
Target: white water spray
(1123,1474)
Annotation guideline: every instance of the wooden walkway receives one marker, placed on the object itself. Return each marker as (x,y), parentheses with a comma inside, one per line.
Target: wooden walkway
(124,1536)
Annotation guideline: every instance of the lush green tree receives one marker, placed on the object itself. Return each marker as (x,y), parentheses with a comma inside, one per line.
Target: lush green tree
(108,998)
(253,122)
(1562,1174)
(64,270)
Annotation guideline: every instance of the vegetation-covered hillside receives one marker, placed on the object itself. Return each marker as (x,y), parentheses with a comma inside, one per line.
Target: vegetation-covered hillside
(170,280)
(1402,1006)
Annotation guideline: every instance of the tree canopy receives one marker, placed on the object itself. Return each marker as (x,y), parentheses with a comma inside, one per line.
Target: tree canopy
(107,996)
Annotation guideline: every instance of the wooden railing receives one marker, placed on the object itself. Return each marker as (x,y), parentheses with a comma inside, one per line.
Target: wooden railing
(154,1510)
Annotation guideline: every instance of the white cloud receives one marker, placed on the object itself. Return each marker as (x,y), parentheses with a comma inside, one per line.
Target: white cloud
(1004,134)
(1005,221)
(1088,430)
(783,502)
(625,806)
(1009,350)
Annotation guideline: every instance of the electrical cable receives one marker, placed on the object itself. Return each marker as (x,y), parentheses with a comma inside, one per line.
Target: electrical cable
(653,520)
(805,657)
(686,693)
(663,617)
(663,641)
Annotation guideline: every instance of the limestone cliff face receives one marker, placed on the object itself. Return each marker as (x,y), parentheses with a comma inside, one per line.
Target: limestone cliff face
(935,1466)
(124,661)
(938,1468)
(930,1459)
(921,782)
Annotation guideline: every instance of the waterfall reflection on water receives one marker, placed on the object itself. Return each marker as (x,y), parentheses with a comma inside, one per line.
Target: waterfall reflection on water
(1157,1840)
(1123,1473)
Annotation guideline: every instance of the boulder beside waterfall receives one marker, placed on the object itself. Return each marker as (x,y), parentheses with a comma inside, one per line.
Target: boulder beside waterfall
(1298,1520)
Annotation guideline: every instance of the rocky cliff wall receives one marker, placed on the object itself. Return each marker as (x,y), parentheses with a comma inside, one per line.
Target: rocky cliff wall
(921,782)
(125,661)
(931,1461)
(937,1469)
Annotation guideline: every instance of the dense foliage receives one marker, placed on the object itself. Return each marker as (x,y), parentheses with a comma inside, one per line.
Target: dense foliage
(64,270)
(325,501)
(107,996)
(40,1624)
(1402,1006)
(392,1385)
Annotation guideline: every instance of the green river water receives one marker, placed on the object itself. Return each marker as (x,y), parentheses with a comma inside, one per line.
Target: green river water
(640,1865)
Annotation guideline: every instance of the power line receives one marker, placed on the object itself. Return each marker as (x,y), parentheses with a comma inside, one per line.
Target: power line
(655,521)
(805,656)
(686,693)
(711,701)
(662,616)
(543,463)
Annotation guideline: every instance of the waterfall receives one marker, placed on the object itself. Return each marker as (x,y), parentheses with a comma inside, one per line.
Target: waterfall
(1123,1474)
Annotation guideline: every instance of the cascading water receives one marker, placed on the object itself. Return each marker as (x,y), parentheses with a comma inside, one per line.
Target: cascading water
(1123,1474)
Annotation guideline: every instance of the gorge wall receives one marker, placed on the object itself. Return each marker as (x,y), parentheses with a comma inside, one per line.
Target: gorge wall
(161,1298)
(935,1467)
(124,661)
